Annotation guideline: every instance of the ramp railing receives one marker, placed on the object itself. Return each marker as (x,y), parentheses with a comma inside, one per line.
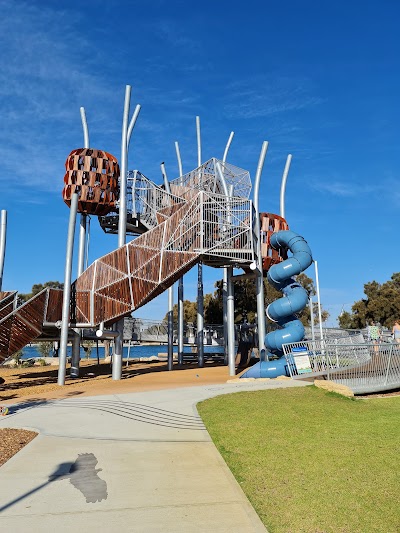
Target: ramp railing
(317,358)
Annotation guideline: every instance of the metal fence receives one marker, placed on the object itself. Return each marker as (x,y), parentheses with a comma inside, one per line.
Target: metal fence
(364,367)
(380,373)
(143,330)
(317,358)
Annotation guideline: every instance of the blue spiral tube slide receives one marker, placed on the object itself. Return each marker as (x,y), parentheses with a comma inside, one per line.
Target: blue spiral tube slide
(283,311)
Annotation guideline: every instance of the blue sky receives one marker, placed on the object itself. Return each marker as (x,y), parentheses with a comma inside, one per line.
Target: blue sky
(319,80)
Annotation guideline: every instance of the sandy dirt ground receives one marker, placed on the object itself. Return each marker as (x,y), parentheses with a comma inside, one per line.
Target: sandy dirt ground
(39,383)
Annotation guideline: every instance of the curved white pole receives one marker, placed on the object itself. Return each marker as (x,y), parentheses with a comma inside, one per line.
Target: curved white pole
(85,128)
(132,124)
(228,144)
(83,218)
(283,185)
(124,165)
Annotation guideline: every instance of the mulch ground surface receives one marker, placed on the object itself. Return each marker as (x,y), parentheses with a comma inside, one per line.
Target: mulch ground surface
(12,440)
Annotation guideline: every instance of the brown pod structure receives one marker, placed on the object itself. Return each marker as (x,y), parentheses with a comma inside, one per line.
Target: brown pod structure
(93,174)
(269,224)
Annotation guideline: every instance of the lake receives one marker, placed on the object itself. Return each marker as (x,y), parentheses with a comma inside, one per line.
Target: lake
(136,351)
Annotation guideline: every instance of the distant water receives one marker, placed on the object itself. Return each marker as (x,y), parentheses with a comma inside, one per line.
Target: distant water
(135,351)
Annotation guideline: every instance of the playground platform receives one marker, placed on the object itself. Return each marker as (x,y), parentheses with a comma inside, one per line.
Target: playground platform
(138,461)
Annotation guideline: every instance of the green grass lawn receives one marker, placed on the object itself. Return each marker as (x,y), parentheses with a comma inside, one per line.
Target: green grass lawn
(310,460)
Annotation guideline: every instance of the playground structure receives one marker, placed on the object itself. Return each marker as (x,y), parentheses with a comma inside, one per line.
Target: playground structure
(203,217)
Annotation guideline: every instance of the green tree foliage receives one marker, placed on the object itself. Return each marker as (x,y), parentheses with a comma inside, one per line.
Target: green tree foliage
(381,304)
(45,348)
(39,287)
(245,302)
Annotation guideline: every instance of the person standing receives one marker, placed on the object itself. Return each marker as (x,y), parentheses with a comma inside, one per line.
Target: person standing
(396,332)
(374,334)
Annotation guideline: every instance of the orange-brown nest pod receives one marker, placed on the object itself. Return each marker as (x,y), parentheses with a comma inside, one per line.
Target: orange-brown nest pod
(93,174)
(271,223)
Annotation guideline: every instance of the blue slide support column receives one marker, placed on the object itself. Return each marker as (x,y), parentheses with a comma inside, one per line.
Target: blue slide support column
(283,311)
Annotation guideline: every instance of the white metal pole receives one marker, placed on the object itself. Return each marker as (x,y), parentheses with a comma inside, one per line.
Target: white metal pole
(67,290)
(178,156)
(231,322)
(228,144)
(83,217)
(170,356)
(132,125)
(180,283)
(180,321)
(198,141)
(200,302)
(82,247)
(259,278)
(318,299)
(119,341)
(225,272)
(3,234)
(124,165)
(310,303)
(283,185)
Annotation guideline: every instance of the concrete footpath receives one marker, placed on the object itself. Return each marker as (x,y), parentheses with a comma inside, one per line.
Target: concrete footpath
(136,462)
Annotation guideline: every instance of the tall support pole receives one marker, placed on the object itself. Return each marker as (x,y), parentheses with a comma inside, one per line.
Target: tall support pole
(81,257)
(225,312)
(225,272)
(170,357)
(318,300)
(231,321)
(310,303)
(225,316)
(3,234)
(119,341)
(67,290)
(83,218)
(180,283)
(200,316)
(198,141)
(200,299)
(259,278)
(283,185)
(124,165)
(180,321)
(76,348)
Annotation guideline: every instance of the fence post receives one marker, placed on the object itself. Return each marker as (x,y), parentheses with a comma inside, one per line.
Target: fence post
(388,366)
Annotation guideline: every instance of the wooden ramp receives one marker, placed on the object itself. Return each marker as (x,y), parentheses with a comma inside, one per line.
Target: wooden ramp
(21,326)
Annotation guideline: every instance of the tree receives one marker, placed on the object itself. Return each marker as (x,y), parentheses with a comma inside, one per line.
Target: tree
(44,348)
(246,302)
(38,287)
(189,312)
(382,304)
